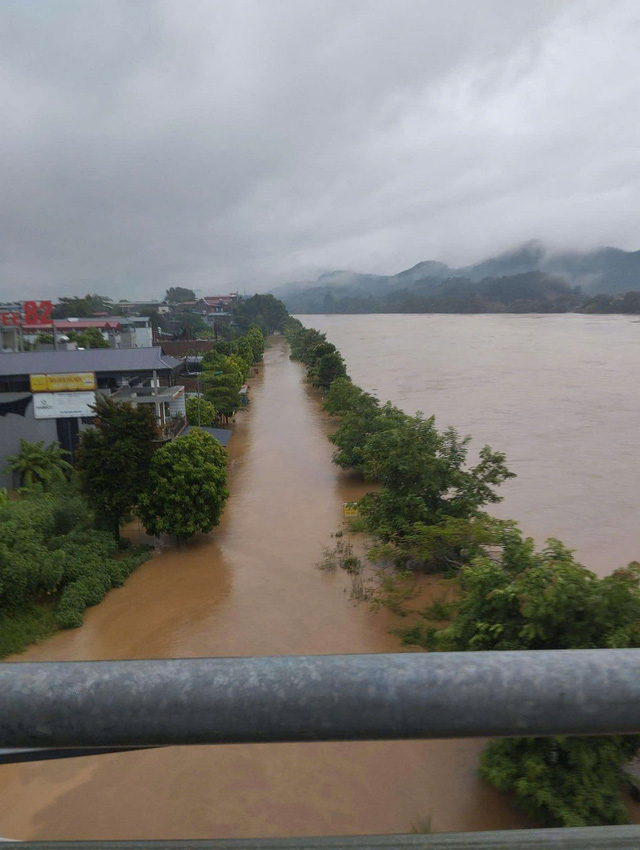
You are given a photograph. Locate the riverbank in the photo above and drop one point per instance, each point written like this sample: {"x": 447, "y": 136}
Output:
{"x": 552, "y": 392}
{"x": 428, "y": 517}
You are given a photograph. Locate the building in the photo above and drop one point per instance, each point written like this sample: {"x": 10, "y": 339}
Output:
{"x": 47, "y": 395}
{"x": 118, "y": 331}
{"x": 219, "y": 304}
{"x": 129, "y": 308}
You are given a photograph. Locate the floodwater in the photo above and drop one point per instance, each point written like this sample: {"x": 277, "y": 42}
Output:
{"x": 557, "y": 393}
{"x": 250, "y": 588}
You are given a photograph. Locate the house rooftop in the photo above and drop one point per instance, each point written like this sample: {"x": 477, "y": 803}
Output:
{"x": 89, "y": 360}
{"x": 222, "y": 435}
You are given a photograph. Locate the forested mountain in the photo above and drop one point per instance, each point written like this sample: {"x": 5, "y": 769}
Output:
{"x": 526, "y": 279}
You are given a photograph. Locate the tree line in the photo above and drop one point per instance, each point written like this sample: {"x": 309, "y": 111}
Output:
{"x": 428, "y": 514}
{"x": 528, "y": 292}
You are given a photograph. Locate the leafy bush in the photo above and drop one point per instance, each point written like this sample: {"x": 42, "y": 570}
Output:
{"x": 48, "y": 546}
{"x": 519, "y": 599}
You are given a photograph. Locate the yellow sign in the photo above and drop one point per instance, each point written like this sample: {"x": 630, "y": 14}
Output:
{"x": 350, "y": 509}
{"x": 69, "y": 382}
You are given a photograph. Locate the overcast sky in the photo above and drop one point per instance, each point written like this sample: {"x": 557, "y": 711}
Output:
{"x": 218, "y": 142}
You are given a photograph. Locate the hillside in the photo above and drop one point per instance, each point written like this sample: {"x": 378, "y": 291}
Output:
{"x": 527, "y": 278}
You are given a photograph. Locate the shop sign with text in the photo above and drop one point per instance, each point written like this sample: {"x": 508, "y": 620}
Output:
{"x": 33, "y": 313}
{"x": 63, "y": 405}
{"x": 63, "y": 382}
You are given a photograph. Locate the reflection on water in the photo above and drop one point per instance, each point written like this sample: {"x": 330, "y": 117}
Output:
{"x": 250, "y": 589}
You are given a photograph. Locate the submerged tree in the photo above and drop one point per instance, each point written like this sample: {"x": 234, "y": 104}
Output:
{"x": 425, "y": 478}
{"x": 223, "y": 381}
{"x": 522, "y": 599}
{"x": 187, "y": 486}
{"x": 200, "y": 411}
{"x": 113, "y": 458}
{"x": 255, "y": 338}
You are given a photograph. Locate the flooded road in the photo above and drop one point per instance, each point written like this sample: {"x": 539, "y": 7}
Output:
{"x": 249, "y": 589}
{"x": 557, "y": 393}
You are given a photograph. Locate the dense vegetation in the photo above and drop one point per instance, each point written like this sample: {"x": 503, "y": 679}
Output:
{"x": 54, "y": 563}
{"x": 427, "y": 514}
{"x": 522, "y": 599}
{"x": 226, "y": 368}
{"x": 323, "y": 360}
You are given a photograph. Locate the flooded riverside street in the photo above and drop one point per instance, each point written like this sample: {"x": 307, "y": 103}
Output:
{"x": 249, "y": 588}
{"x": 557, "y": 393}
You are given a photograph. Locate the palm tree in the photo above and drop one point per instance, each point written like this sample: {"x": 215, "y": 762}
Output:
{"x": 59, "y": 469}
{"x": 36, "y": 465}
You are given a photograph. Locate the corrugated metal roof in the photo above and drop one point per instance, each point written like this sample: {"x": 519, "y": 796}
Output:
{"x": 90, "y": 360}
{"x": 67, "y": 325}
{"x": 222, "y": 435}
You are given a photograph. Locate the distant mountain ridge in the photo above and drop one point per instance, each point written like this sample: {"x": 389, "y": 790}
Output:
{"x": 607, "y": 271}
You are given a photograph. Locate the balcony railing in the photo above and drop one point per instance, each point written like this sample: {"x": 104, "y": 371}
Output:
{"x": 63, "y": 709}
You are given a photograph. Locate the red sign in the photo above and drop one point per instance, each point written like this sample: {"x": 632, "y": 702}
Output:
{"x": 34, "y": 313}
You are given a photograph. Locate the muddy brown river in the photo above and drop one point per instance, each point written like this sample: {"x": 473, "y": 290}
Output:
{"x": 557, "y": 393}
{"x": 250, "y": 588}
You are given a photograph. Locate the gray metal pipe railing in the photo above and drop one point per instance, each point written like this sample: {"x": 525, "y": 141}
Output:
{"x": 119, "y": 704}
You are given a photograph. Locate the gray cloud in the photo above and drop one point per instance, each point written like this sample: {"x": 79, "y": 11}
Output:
{"x": 148, "y": 143}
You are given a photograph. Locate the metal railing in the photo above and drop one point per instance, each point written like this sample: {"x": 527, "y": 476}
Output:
{"x": 58, "y": 709}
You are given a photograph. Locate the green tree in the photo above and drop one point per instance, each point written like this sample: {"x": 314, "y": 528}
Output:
{"x": 89, "y": 338}
{"x": 82, "y": 307}
{"x": 187, "y": 486}
{"x": 255, "y": 338}
{"x": 364, "y": 418}
{"x": 178, "y": 294}
{"x": 290, "y": 328}
{"x": 244, "y": 350}
{"x": 304, "y": 343}
{"x": 200, "y": 412}
{"x": 345, "y": 397}
{"x": 220, "y": 347}
{"x": 522, "y": 599}
{"x": 240, "y": 364}
{"x": 425, "y": 478}
{"x": 113, "y": 458}
{"x": 222, "y": 384}
{"x": 193, "y": 323}
{"x": 329, "y": 367}
{"x": 35, "y": 464}
{"x": 265, "y": 311}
